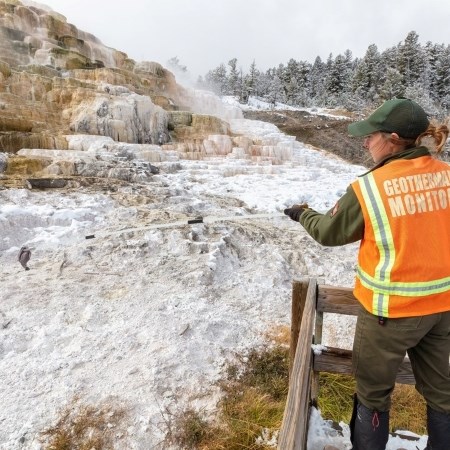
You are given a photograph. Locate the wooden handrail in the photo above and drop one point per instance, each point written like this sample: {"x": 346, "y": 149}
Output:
{"x": 299, "y": 292}
{"x": 338, "y": 300}
{"x": 309, "y": 302}
{"x": 338, "y": 360}
{"x": 294, "y": 429}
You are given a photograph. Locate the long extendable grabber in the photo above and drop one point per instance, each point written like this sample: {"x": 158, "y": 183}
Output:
{"x": 198, "y": 219}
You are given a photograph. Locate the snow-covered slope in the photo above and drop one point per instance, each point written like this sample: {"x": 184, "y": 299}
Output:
{"x": 147, "y": 317}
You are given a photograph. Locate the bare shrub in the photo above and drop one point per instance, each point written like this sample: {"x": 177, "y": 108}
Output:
{"x": 84, "y": 427}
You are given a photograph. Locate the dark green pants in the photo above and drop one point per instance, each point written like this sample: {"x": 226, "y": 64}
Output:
{"x": 378, "y": 351}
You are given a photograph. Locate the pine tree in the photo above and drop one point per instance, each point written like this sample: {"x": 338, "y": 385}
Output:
{"x": 251, "y": 80}
{"x": 442, "y": 81}
{"x": 290, "y": 76}
{"x": 433, "y": 54}
{"x": 233, "y": 79}
{"x": 303, "y": 82}
{"x": 411, "y": 60}
{"x": 389, "y": 58}
{"x": 276, "y": 91}
{"x": 216, "y": 80}
{"x": 393, "y": 84}
{"x": 367, "y": 75}
{"x": 317, "y": 81}
{"x": 339, "y": 76}
{"x": 263, "y": 83}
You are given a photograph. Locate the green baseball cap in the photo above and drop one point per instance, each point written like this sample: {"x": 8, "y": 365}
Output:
{"x": 399, "y": 115}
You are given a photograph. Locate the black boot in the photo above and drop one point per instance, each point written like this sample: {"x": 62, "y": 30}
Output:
{"x": 369, "y": 430}
{"x": 438, "y": 425}
{"x": 353, "y": 419}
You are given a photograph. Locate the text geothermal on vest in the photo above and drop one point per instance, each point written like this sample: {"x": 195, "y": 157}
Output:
{"x": 426, "y": 197}
{"x": 417, "y": 183}
{"x": 415, "y": 194}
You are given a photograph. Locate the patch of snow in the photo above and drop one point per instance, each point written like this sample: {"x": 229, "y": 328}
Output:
{"x": 318, "y": 348}
{"x": 257, "y": 104}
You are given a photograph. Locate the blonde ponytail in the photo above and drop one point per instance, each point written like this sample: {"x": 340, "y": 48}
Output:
{"x": 438, "y": 133}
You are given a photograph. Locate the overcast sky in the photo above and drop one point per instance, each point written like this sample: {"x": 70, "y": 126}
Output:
{"x": 205, "y": 33}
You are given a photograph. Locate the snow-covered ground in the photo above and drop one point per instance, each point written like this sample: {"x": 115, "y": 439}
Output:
{"x": 148, "y": 316}
{"x": 255, "y": 104}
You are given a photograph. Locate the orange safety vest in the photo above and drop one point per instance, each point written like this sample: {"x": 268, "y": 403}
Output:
{"x": 404, "y": 256}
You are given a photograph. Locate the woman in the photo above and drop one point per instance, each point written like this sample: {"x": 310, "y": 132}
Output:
{"x": 400, "y": 210}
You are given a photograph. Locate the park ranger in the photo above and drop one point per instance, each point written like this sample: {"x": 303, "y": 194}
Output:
{"x": 400, "y": 211}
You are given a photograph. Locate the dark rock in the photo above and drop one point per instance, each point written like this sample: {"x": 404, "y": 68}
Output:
{"x": 46, "y": 183}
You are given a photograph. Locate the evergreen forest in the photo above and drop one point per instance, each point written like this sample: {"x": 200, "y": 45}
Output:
{"x": 409, "y": 69}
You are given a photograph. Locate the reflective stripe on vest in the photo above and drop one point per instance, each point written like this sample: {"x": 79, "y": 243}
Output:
{"x": 380, "y": 284}
{"x": 384, "y": 242}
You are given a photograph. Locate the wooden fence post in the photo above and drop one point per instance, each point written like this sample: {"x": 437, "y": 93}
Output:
{"x": 299, "y": 290}
{"x": 294, "y": 429}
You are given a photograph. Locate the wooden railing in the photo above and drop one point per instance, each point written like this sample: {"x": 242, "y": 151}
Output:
{"x": 309, "y": 302}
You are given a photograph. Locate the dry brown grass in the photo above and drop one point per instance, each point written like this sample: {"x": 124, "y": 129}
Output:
{"x": 254, "y": 396}
{"x": 335, "y": 398}
{"x": 336, "y": 402}
{"x": 409, "y": 411}
{"x": 85, "y": 427}
{"x": 187, "y": 429}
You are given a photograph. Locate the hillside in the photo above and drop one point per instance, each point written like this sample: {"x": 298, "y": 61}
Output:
{"x": 327, "y": 132}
